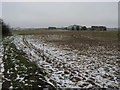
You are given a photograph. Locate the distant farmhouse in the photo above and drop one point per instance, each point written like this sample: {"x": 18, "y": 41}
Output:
{"x": 76, "y": 27}
{"x": 92, "y": 28}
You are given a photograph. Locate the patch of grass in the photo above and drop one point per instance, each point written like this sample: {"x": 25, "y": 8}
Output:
{"x": 34, "y": 32}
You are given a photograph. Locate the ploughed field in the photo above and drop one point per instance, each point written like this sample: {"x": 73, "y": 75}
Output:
{"x": 62, "y": 59}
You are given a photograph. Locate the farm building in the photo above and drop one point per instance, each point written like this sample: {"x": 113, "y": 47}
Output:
{"x": 74, "y": 27}
{"x": 84, "y": 28}
{"x": 98, "y": 28}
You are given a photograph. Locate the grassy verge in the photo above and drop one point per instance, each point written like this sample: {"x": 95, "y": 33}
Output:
{"x": 20, "y": 73}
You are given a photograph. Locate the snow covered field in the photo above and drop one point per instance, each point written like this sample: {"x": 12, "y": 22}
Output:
{"x": 66, "y": 67}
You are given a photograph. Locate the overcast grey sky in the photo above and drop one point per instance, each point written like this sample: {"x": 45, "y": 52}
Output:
{"x": 44, "y": 14}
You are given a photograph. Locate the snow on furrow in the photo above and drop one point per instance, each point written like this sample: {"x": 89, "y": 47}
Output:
{"x": 68, "y": 68}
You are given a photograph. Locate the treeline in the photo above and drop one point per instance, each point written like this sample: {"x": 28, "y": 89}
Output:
{"x": 78, "y": 27}
{"x": 92, "y": 28}
{"x": 4, "y": 29}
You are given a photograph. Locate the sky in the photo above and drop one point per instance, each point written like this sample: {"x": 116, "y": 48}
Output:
{"x": 60, "y": 14}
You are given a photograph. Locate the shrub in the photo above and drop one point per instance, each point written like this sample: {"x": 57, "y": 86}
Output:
{"x": 5, "y": 28}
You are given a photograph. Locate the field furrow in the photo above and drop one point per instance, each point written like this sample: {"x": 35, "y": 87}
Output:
{"x": 95, "y": 67}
